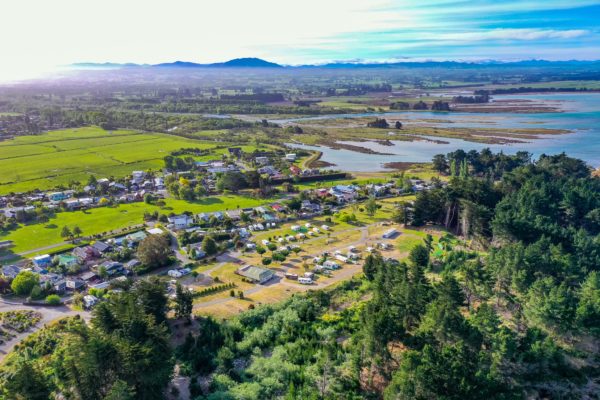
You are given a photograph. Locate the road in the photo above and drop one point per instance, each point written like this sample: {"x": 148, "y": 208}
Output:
{"x": 49, "y": 314}
{"x": 346, "y": 272}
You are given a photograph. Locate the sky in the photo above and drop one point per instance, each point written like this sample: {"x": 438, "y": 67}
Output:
{"x": 39, "y": 35}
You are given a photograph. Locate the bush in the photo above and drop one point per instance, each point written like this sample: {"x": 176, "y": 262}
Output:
{"x": 53, "y": 300}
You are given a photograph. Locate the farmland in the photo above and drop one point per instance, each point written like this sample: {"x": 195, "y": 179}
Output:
{"x": 56, "y": 158}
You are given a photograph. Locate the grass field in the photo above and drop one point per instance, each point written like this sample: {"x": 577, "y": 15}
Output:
{"x": 106, "y": 219}
{"x": 54, "y": 158}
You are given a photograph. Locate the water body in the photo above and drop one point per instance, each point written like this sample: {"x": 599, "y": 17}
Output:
{"x": 581, "y": 116}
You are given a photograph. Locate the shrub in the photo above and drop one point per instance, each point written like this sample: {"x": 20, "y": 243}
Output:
{"x": 53, "y": 300}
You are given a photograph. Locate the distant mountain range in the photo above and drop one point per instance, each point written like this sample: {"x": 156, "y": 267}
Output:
{"x": 251, "y": 62}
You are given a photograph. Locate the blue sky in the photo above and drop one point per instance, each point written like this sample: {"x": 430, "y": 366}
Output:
{"x": 41, "y": 34}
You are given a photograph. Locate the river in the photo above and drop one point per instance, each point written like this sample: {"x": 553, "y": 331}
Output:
{"x": 581, "y": 116}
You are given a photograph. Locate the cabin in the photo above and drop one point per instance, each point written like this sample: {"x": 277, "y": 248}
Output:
{"x": 256, "y": 274}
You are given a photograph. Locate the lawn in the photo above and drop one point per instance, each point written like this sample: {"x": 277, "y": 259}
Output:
{"x": 106, "y": 219}
{"x": 56, "y": 158}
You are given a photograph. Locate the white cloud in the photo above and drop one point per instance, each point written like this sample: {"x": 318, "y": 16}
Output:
{"x": 515, "y": 34}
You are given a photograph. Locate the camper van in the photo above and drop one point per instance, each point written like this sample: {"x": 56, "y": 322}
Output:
{"x": 305, "y": 281}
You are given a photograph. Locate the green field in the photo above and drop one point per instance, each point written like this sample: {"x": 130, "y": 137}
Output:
{"x": 106, "y": 219}
{"x": 59, "y": 157}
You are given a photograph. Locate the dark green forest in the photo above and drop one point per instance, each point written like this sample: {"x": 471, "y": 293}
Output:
{"x": 511, "y": 311}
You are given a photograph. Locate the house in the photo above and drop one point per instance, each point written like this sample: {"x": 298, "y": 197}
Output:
{"x": 39, "y": 270}
{"x": 86, "y": 201}
{"x": 290, "y": 157}
{"x": 159, "y": 183}
{"x": 295, "y": 170}
{"x": 203, "y": 217}
{"x": 57, "y": 196}
{"x": 310, "y": 207}
{"x": 256, "y": 274}
{"x": 117, "y": 187}
{"x": 100, "y": 286}
{"x": 75, "y": 284}
{"x": 72, "y": 204}
{"x": 60, "y": 286}
{"x": 49, "y": 278}
{"x": 138, "y": 176}
{"x": 67, "y": 260}
{"x": 10, "y": 271}
{"x": 261, "y": 160}
{"x": 322, "y": 192}
{"x": 85, "y": 254}
{"x": 42, "y": 261}
{"x": 173, "y": 273}
{"x": 268, "y": 170}
{"x": 131, "y": 264}
{"x": 343, "y": 193}
{"x": 136, "y": 237}
{"x": 197, "y": 253}
{"x": 277, "y": 207}
{"x": 391, "y": 233}
{"x": 234, "y": 214}
{"x": 112, "y": 267}
{"x": 180, "y": 221}
{"x": 101, "y": 247}
{"x": 89, "y": 301}
{"x": 88, "y": 276}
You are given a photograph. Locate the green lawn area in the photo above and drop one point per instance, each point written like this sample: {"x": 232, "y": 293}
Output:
{"x": 106, "y": 219}
{"x": 59, "y": 157}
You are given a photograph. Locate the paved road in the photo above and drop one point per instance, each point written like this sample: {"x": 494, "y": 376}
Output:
{"x": 49, "y": 314}
{"x": 347, "y": 271}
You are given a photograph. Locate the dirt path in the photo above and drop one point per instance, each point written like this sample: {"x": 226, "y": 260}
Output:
{"x": 49, "y": 314}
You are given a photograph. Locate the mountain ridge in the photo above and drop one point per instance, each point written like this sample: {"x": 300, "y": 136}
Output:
{"x": 253, "y": 62}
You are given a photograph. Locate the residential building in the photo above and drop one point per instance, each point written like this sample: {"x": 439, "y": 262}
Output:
{"x": 75, "y": 284}
{"x": 67, "y": 260}
{"x": 102, "y": 247}
{"x": 10, "y": 271}
{"x": 86, "y": 253}
{"x": 256, "y": 274}
{"x": 42, "y": 261}
{"x": 180, "y": 221}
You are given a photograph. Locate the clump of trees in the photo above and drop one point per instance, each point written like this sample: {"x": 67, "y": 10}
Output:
{"x": 123, "y": 353}
{"x": 378, "y": 123}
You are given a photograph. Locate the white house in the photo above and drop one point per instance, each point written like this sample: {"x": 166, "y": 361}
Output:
{"x": 180, "y": 221}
